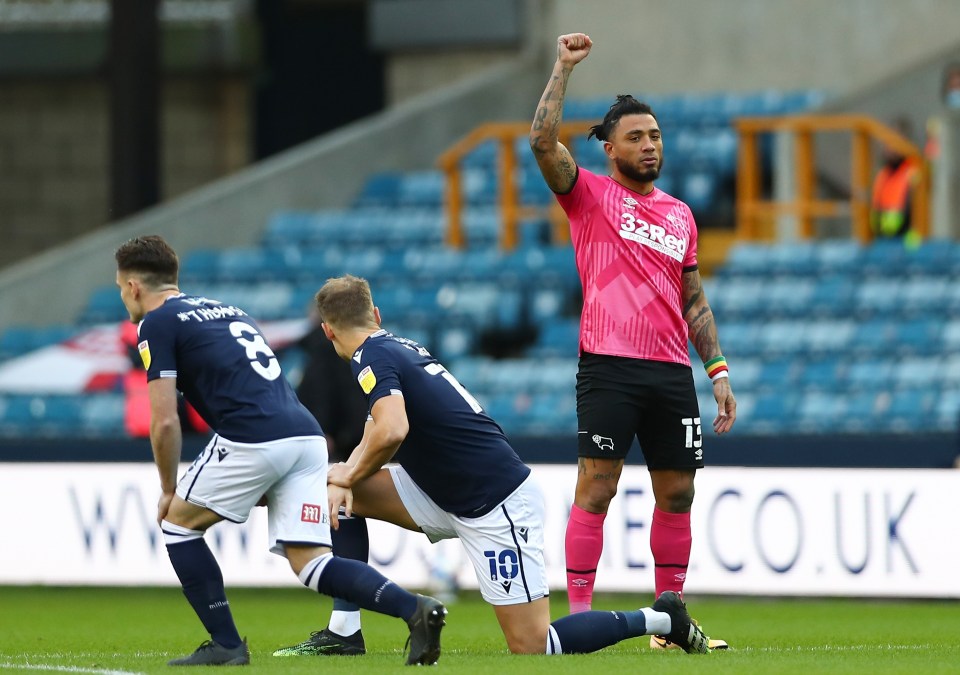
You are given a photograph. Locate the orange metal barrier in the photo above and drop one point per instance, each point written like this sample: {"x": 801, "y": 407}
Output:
{"x": 755, "y": 215}
{"x": 511, "y": 212}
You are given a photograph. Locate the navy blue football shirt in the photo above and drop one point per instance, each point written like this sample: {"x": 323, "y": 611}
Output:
{"x": 453, "y": 451}
{"x": 225, "y": 369}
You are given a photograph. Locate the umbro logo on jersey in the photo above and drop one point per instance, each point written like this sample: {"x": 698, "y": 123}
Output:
{"x": 356, "y": 357}
{"x": 630, "y": 202}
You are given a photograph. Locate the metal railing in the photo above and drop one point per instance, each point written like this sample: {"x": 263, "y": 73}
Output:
{"x": 755, "y": 214}
{"x": 511, "y": 211}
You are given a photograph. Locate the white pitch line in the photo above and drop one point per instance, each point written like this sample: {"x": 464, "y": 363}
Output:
{"x": 837, "y": 648}
{"x": 65, "y": 669}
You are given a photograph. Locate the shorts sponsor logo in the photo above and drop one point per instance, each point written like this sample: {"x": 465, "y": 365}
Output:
{"x": 603, "y": 442}
{"x": 311, "y": 513}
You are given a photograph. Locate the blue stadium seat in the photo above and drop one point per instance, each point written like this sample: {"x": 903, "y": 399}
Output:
{"x": 243, "y": 265}
{"x": 833, "y": 296}
{"x": 19, "y": 340}
{"x": 747, "y": 259}
{"x": 923, "y": 295}
{"x": 42, "y": 415}
{"x": 871, "y": 374}
{"x": 560, "y": 337}
{"x": 532, "y": 188}
{"x": 783, "y": 338}
{"x": 951, "y": 336}
{"x": 862, "y": 411}
{"x": 104, "y": 306}
{"x": 909, "y": 410}
{"x": 382, "y": 189}
{"x": 479, "y": 187}
{"x": 453, "y": 340}
{"x": 588, "y": 153}
{"x": 915, "y": 372}
{"x": 821, "y": 412}
{"x": 934, "y": 257}
{"x": 747, "y": 372}
{"x": 102, "y": 415}
{"x": 878, "y": 297}
{"x": 200, "y": 267}
{"x": 264, "y": 301}
{"x": 791, "y": 258}
{"x": 838, "y": 256}
{"x": 884, "y": 257}
{"x": 485, "y": 305}
{"x": 918, "y": 336}
{"x": 481, "y": 225}
{"x": 739, "y": 337}
{"x": 776, "y": 375}
{"x": 788, "y": 297}
{"x": 699, "y": 190}
{"x": 875, "y": 336}
{"x": 830, "y": 336}
{"x": 484, "y": 156}
{"x": 946, "y": 412}
{"x": 773, "y": 412}
{"x": 823, "y": 374}
{"x": 736, "y": 299}
{"x": 552, "y": 413}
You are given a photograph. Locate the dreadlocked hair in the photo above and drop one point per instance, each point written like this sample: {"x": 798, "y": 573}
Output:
{"x": 625, "y": 105}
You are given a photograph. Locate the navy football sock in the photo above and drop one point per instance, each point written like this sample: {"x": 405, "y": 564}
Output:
{"x": 351, "y": 541}
{"x": 586, "y": 632}
{"x": 359, "y": 583}
{"x": 202, "y": 584}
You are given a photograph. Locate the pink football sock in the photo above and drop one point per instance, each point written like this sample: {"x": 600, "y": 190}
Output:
{"x": 670, "y": 543}
{"x": 583, "y": 544}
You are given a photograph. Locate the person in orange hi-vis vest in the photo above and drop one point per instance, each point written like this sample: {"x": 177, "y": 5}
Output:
{"x": 891, "y": 202}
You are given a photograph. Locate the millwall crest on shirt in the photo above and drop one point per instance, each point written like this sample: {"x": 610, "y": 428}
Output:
{"x": 367, "y": 380}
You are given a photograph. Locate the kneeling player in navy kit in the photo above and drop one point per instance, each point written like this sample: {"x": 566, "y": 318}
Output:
{"x": 456, "y": 476}
{"x": 265, "y": 445}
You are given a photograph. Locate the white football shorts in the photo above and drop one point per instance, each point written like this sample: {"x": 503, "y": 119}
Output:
{"x": 230, "y": 478}
{"x": 505, "y": 546}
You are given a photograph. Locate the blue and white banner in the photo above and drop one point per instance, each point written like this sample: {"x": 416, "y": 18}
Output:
{"x": 821, "y": 532}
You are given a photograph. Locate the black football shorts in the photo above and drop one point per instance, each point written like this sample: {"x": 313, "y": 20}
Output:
{"x": 621, "y": 398}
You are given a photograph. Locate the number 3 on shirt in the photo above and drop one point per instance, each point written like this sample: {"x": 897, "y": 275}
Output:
{"x": 437, "y": 369}
{"x": 255, "y": 346}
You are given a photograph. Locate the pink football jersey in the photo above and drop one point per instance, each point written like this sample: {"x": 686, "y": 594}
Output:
{"x": 631, "y": 252}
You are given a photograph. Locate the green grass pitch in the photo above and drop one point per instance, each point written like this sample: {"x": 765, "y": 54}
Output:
{"x": 130, "y": 630}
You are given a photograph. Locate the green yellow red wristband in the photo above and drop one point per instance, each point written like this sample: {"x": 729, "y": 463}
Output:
{"x": 716, "y": 368}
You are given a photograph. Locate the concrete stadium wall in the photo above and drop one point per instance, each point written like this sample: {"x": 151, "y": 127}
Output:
{"x": 664, "y": 46}
{"x": 648, "y": 45}
{"x": 52, "y": 287}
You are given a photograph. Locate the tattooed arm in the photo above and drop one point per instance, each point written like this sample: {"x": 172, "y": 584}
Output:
{"x": 702, "y": 331}
{"x": 556, "y": 164}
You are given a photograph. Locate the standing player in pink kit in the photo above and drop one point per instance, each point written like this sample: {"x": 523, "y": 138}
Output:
{"x": 636, "y": 252}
